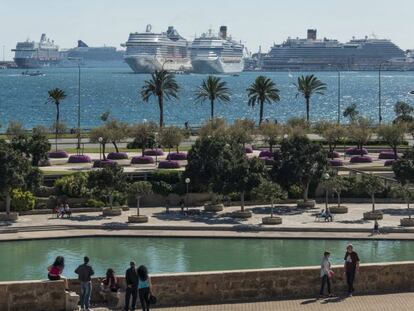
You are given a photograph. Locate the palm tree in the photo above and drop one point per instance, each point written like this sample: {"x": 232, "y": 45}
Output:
{"x": 263, "y": 90}
{"x": 162, "y": 84}
{"x": 307, "y": 86}
{"x": 213, "y": 89}
{"x": 55, "y": 97}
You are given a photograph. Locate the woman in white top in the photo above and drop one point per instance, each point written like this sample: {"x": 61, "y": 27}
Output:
{"x": 326, "y": 273}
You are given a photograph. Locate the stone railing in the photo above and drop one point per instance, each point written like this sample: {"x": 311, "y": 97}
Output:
{"x": 221, "y": 287}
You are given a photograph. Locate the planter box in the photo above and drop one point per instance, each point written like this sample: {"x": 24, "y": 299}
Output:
{"x": 306, "y": 205}
{"x": 117, "y": 156}
{"x": 142, "y": 160}
{"x": 338, "y": 210}
{"x": 214, "y": 208}
{"x": 361, "y": 159}
{"x": 336, "y": 162}
{"x": 169, "y": 164}
{"x": 153, "y": 152}
{"x": 181, "y": 156}
{"x": 356, "y": 151}
{"x": 8, "y": 217}
{"x": 241, "y": 214}
{"x": 137, "y": 219}
{"x": 108, "y": 212}
{"x": 407, "y": 222}
{"x": 59, "y": 154}
{"x": 272, "y": 220}
{"x": 373, "y": 215}
{"x": 81, "y": 158}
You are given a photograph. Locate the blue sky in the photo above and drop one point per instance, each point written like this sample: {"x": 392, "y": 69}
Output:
{"x": 259, "y": 22}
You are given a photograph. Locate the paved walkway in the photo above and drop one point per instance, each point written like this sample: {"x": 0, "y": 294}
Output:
{"x": 397, "y": 302}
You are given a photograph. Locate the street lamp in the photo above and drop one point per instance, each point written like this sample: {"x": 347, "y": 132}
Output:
{"x": 379, "y": 91}
{"x": 339, "y": 91}
{"x": 187, "y": 182}
{"x": 326, "y": 177}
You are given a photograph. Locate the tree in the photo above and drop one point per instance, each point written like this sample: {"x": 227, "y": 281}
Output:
{"x": 406, "y": 193}
{"x": 100, "y": 135}
{"x": 171, "y": 137}
{"x": 308, "y": 86}
{"x": 351, "y": 112}
{"x": 404, "y": 168}
{"x": 139, "y": 189}
{"x": 299, "y": 162}
{"x": 262, "y": 90}
{"x": 212, "y": 89}
{"x": 213, "y": 128}
{"x": 241, "y": 131}
{"x": 360, "y": 131}
{"x": 393, "y": 135}
{"x": 335, "y": 184}
{"x": 35, "y": 146}
{"x": 271, "y": 133}
{"x": 372, "y": 185}
{"x": 333, "y": 133}
{"x": 296, "y": 127}
{"x": 117, "y": 131}
{"x": 56, "y": 96}
{"x": 403, "y": 112}
{"x": 109, "y": 178}
{"x": 15, "y": 128}
{"x": 269, "y": 191}
{"x": 144, "y": 135}
{"x": 240, "y": 174}
{"x": 163, "y": 86}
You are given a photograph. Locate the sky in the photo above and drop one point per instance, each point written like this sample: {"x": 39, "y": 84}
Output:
{"x": 254, "y": 22}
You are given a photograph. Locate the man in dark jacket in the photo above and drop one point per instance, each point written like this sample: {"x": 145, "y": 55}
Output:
{"x": 131, "y": 279}
{"x": 84, "y": 272}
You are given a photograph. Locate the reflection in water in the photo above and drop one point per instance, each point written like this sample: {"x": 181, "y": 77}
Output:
{"x": 29, "y": 259}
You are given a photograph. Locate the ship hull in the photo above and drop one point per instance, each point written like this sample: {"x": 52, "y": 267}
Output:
{"x": 216, "y": 66}
{"x": 29, "y": 63}
{"x": 148, "y": 64}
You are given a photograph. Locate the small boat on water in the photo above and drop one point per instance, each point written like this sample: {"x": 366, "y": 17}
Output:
{"x": 411, "y": 92}
{"x": 32, "y": 74}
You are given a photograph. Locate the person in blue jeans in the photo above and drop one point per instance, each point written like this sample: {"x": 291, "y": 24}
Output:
{"x": 85, "y": 272}
{"x": 144, "y": 287}
{"x": 351, "y": 267}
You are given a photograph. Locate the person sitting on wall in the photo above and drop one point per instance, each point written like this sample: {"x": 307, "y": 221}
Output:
{"x": 55, "y": 270}
{"x": 110, "y": 283}
{"x": 68, "y": 212}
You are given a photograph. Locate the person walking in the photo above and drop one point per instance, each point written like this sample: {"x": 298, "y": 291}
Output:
{"x": 131, "y": 279}
{"x": 326, "y": 273}
{"x": 144, "y": 287}
{"x": 84, "y": 272}
{"x": 351, "y": 267}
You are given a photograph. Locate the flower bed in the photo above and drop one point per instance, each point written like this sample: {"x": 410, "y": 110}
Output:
{"x": 142, "y": 160}
{"x": 336, "y": 162}
{"x": 248, "y": 149}
{"x": 389, "y": 162}
{"x": 356, "y": 151}
{"x": 361, "y": 159}
{"x": 154, "y": 152}
{"x": 177, "y": 156}
{"x": 117, "y": 156}
{"x": 60, "y": 154}
{"x": 334, "y": 155}
{"x": 386, "y": 155}
{"x": 169, "y": 164}
{"x": 79, "y": 159}
{"x": 265, "y": 154}
{"x": 267, "y": 160}
{"x": 104, "y": 163}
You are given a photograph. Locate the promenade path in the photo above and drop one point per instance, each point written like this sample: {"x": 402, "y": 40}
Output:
{"x": 395, "y": 302}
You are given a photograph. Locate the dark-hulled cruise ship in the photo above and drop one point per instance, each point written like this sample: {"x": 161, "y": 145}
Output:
{"x": 313, "y": 54}
{"x": 31, "y": 54}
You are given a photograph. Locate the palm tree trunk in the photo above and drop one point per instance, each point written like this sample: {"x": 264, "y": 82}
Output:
{"x": 307, "y": 108}
{"x": 261, "y": 112}
{"x": 57, "y": 125}
{"x": 212, "y": 109}
{"x": 161, "y": 105}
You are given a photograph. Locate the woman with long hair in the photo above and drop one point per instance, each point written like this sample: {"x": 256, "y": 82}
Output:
{"x": 144, "y": 287}
{"x": 55, "y": 270}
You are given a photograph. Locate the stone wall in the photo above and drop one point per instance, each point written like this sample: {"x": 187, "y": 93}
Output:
{"x": 32, "y": 296}
{"x": 266, "y": 284}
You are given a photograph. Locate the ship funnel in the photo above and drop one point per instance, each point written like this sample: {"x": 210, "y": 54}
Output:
{"x": 223, "y": 32}
{"x": 312, "y": 34}
{"x": 148, "y": 29}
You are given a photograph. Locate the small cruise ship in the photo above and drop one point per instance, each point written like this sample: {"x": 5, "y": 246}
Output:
{"x": 149, "y": 51}
{"x": 216, "y": 54}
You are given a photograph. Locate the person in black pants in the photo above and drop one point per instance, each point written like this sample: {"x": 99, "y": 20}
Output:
{"x": 131, "y": 279}
{"x": 144, "y": 287}
{"x": 351, "y": 267}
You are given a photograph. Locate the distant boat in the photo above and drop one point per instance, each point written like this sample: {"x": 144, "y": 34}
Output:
{"x": 32, "y": 74}
{"x": 411, "y": 92}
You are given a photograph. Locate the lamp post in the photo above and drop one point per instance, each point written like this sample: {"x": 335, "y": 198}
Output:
{"x": 187, "y": 182}
{"x": 326, "y": 177}
{"x": 339, "y": 91}
{"x": 380, "y": 93}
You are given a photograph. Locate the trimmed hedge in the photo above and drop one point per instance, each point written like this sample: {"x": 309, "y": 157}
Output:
{"x": 104, "y": 163}
{"x": 387, "y": 155}
{"x": 334, "y": 155}
{"x": 356, "y": 151}
{"x": 169, "y": 164}
{"x": 248, "y": 149}
{"x": 361, "y": 159}
{"x": 81, "y": 158}
{"x": 142, "y": 160}
{"x": 266, "y": 154}
{"x": 154, "y": 152}
{"x": 336, "y": 162}
{"x": 60, "y": 154}
{"x": 177, "y": 156}
{"x": 117, "y": 156}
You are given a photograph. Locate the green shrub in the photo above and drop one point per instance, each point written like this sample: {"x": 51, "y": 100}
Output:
{"x": 45, "y": 192}
{"x": 118, "y": 198}
{"x": 22, "y": 200}
{"x": 170, "y": 177}
{"x": 74, "y": 186}
{"x": 295, "y": 192}
{"x": 161, "y": 187}
{"x": 94, "y": 203}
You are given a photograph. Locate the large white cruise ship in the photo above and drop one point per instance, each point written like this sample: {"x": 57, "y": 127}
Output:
{"x": 148, "y": 51}
{"x": 211, "y": 54}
